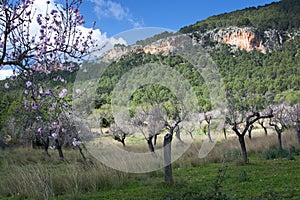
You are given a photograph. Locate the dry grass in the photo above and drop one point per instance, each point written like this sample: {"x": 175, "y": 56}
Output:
{"x": 27, "y": 173}
{"x": 229, "y": 150}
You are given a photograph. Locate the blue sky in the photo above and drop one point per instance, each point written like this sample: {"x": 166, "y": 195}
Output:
{"x": 115, "y": 16}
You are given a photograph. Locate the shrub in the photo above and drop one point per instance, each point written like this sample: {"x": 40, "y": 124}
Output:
{"x": 277, "y": 153}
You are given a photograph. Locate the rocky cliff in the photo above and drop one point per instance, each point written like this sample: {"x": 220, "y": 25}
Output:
{"x": 164, "y": 46}
{"x": 243, "y": 38}
{"x": 246, "y": 38}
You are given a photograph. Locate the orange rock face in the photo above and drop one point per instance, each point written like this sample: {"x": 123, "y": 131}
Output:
{"x": 245, "y": 39}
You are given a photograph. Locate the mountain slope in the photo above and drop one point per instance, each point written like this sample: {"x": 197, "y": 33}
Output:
{"x": 282, "y": 16}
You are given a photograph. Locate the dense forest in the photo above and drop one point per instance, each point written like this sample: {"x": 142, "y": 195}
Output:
{"x": 283, "y": 16}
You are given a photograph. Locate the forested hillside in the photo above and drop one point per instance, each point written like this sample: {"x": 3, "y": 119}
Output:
{"x": 283, "y": 15}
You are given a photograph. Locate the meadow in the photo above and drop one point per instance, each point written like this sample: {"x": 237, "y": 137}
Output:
{"x": 27, "y": 173}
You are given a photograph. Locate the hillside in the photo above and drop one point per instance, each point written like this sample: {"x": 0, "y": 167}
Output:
{"x": 282, "y": 16}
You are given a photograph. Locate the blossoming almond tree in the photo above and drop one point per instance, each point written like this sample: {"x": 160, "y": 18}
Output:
{"x": 36, "y": 44}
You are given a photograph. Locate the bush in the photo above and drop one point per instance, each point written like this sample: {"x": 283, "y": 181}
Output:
{"x": 279, "y": 153}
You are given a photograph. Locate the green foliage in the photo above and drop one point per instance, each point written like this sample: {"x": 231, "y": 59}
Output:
{"x": 148, "y": 94}
{"x": 280, "y": 153}
{"x": 154, "y": 38}
{"x": 259, "y": 79}
{"x": 283, "y": 15}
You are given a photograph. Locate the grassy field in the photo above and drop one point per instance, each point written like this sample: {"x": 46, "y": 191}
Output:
{"x": 28, "y": 173}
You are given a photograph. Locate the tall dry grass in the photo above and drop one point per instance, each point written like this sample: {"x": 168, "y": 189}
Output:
{"x": 27, "y": 173}
{"x": 229, "y": 150}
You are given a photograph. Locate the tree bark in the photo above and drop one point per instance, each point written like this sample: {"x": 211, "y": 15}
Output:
{"x": 81, "y": 153}
{"x": 279, "y": 140}
{"x": 155, "y": 139}
{"x": 123, "y": 141}
{"x": 263, "y": 126}
{"x": 243, "y": 148}
{"x": 208, "y": 132}
{"x": 177, "y": 134}
{"x": 250, "y": 132}
{"x": 225, "y": 134}
{"x": 265, "y": 129}
{"x": 167, "y": 158}
{"x": 298, "y": 132}
{"x": 150, "y": 144}
{"x": 59, "y": 149}
{"x": 46, "y": 146}
{"x": 279, "y": 135}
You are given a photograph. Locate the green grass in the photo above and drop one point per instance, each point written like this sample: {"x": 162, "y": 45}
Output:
{"x": 271, "y": 179}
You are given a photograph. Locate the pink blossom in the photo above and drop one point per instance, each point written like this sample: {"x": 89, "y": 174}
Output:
{"x": 78, "y": 91}
{"x": 39, "y": 130}
{"x": 54, "y": 135}
{"x": 63, "y": 93}
{"x": 47, "y": 92}
{"x": 28, "y": 83}
{"x": 76, "y": 142}
{"x": 34, "y": 105}
{"x": 41, "y": 91}
{"x": 26, "y": 104}
{"x": 53, "y": 106}
{"x": 6, "y": 85}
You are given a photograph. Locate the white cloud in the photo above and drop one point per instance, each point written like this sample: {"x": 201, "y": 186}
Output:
{"x": 5, "y": 73}
{"x": 108, "y": 8}
{"x": 41, "y": 7}
{"x": 104, "y": 43}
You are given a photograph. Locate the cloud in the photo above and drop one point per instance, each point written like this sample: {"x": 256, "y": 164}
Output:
{"x": 104, "y": 43}
{"x": 5, "y": 73}
{"x": 110, "y": 9}
{"x": 41, "y": 7}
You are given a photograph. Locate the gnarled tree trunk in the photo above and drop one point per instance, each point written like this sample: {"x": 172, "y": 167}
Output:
{"x": 167, "y": 158}
{"x": 59, "y": 149}
{"x": 243, "y": 148}
{"x": 298, "y": 132}
{"x": 150, "y": 144}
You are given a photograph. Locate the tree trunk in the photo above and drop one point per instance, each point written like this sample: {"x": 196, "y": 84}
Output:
{"x": 46, "y": 146}
{"x": 298, "y": 132}
{"x": 279, "y": 140}
{"x": 263, "y": 126}
{"x": 250, "y": 132}
{"x": 155, "y": 139}
{"x": 208, "y": 132}
{"x": 81, "y": 153}
{"x": 59, "y": 149}
{"x": 265, "y": 130}
{"x": 243, "y": 148}
{"x": 167, "y": 158}
{"x": 177, "y": 134}
{"x": 279, "y": 131}
{"x": 225, "y": 134}
{"x": 150, "y": 144}
{"x": 123, "y": 141}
